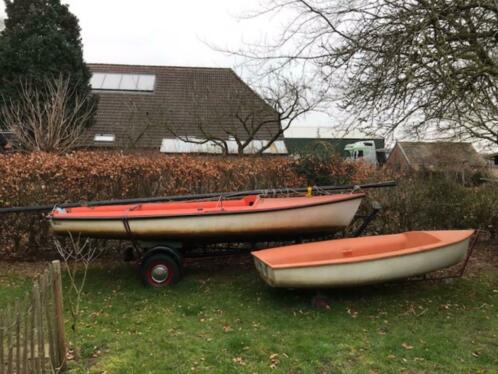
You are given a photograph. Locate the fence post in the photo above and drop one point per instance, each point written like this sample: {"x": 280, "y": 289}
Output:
{"x": 9, "y": 340}
{"x": 38, "y": 328}
{"x": 25, "y": 364}
{"x": 2, "y": 361}
{"x": 18, "y": 337}
{"x": 46, "y": 309}
{"x": 59, "y": 313}
{"x": 32, "y": 336}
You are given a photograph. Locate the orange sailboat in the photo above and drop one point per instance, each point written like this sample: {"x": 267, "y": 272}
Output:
{"x": 251, "y": 217}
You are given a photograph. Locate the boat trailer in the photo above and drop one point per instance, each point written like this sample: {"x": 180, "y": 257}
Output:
{"x": 161, "y": 262}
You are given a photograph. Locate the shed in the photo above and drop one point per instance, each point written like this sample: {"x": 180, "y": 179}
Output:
{"x": 436, "y": 156}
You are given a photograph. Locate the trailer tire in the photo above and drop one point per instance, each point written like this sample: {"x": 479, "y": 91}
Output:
{"x": 164, "y": 249}
{"x": 160, "y": 270}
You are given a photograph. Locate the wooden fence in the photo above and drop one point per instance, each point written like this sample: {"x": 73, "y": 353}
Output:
{"x": 32, "y": 329}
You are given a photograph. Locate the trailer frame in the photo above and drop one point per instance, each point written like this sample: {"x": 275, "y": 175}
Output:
{"x": 167, "y": 257}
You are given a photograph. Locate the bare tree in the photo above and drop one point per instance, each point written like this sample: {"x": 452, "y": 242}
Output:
{"x": 77, "y": 255}
{"x": 243, "y": 117}
{"x": 50, "y": 119}
{"x": 415, "y": 65}
{"x": 137, "y": 123}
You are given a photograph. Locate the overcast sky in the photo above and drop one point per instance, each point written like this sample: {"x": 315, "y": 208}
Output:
{"x": 158, "y": 32}
{"x": 162, "y": 32}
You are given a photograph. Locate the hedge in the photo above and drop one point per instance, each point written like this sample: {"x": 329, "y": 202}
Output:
{"x": 421, "y": 201}
{"x": 41, "y": 178}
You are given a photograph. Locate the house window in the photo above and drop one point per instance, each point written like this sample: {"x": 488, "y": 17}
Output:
{"x": 104, "y": 138}
{"x": 123, "y": 82}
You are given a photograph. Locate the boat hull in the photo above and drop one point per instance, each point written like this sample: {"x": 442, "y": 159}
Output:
{"x": 301, "y": 220}
{"x": 350, "y": 274}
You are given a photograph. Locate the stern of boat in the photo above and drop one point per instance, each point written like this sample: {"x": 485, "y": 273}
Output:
{"x": 265, "y": 271}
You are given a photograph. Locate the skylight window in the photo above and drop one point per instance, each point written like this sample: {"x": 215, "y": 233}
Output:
{"x": 106, "y": 138}
{"x": 123, "y": 82}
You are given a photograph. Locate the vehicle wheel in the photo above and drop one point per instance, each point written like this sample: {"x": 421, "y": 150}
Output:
{"x": 160, "y": 270}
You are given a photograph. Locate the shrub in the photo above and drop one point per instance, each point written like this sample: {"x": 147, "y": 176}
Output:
{"x": 436, "y": 202}
{"x": 321, "y": 165}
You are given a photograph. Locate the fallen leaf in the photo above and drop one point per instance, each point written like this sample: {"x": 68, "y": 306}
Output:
{"x": 274, "y": 360}
{"x": 353, "y": 313}
{"x": 407, "y": 346}
{"x": 238, "y": 360}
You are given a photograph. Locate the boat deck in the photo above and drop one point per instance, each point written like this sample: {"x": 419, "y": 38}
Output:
{"x": 358, "y": 249}
{"x": 248, "y": 204}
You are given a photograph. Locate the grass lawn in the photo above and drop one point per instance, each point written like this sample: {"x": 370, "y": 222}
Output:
{"x": 222, "y": 318}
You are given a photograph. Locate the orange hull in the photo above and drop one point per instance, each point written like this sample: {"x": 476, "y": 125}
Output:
{"x": 356, "y": 261}
{"x": 250, "y": 217}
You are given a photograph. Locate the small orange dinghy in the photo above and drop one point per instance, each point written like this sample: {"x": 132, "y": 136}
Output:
{"x": 359, "y": 261}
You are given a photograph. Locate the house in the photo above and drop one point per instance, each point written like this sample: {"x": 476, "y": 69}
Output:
{"x": 435, "y": 156}
{"x": 179, "y": 110}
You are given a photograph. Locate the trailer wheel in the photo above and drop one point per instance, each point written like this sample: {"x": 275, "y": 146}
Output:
{"x": 160, "y": 270}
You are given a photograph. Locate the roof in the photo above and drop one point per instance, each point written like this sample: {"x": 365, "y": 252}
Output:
{"x": 439, "y": 155}
{"x": 326, "y": 132}
{"x": 187, "y": 101}
{"x": 300, "y": 145}
{"x": 489, "y": 156}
